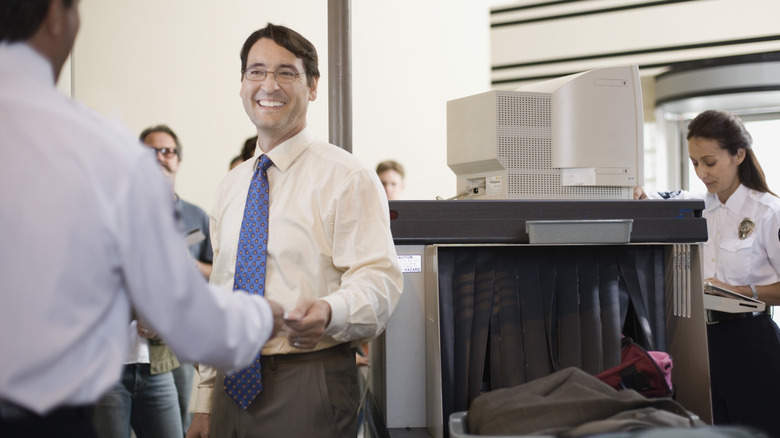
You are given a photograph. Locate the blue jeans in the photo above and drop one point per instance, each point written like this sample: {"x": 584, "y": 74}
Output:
{"x": 147, "y": 403}
{"x": 183, "y": 376}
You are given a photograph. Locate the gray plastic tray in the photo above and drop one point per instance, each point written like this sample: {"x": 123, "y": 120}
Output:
{"x": 596, "y": 231}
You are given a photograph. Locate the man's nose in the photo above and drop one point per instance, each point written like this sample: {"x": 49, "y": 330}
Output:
{"x": 270, "y": 83}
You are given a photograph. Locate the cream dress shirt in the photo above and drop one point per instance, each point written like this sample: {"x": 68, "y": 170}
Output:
{"x": 329, "y": 238}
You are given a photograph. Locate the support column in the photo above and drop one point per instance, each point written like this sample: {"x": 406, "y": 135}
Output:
{"x": 340, "y": 74}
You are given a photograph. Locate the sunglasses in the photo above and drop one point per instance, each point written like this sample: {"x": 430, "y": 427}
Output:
{"x": 166, "y": 152}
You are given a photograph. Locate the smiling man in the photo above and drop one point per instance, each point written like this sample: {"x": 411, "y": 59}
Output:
{"x": 305, "y": 224}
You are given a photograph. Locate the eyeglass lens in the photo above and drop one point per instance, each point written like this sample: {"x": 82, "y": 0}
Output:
{"x": 166, "y": 152}
{"x": 281, "y": 76}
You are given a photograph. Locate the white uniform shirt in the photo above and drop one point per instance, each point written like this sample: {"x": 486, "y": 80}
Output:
{"x": 329, "y": 238}
{"x": 88, "y": 229}
{"x": 754, "y": 259}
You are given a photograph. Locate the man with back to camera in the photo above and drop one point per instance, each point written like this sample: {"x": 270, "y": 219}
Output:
{"x": 90, "y": 230}
{"x": 331, "y": 261}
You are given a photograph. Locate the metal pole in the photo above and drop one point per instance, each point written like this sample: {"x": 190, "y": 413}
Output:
{"x": 340, "y": 74}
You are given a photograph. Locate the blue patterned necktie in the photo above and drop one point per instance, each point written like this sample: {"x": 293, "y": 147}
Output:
{"x": 244, "y": 385}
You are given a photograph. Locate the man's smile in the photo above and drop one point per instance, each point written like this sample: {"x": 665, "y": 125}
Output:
{"x": 270, "y": 103}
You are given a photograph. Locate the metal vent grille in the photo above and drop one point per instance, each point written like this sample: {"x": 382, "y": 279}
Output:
{"x": 524, "y": 109}
{"x": 525, "y": 150}
{"x": 520, "y": 151}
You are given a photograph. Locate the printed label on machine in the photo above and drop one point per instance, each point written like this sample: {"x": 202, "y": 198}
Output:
{"x": 410, "y": 263}
{"x": 493, "y": 185}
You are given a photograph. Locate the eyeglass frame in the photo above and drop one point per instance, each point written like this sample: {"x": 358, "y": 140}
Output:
{"x": 296, "y": 75}
{"x": 166, "y": 152}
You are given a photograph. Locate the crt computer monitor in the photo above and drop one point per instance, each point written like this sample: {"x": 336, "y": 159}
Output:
{"x": 574, "y": 137}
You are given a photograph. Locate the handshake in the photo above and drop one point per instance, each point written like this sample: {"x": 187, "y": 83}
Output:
{"x": 305, "y": 324}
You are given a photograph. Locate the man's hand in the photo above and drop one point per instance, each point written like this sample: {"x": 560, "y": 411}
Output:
{"x": 307, "y": 322}
{"x": 144, "y": 332}
{"x": 278, "y": 312}
{"x": 199, "y": 426}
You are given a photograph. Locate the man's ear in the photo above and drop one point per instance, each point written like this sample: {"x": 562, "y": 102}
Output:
{"x": 54, "y": 22}
{"x": 313, "y": 90}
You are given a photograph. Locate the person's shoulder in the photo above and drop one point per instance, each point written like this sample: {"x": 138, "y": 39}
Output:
{"x": 766, "y": 199}
{"x": 74, "y": 123}
{"x": 192, "y": 208}
{"x": 92, "y": 129}
{"x": 336, "y": 156}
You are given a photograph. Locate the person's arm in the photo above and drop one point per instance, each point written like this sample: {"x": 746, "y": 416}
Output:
{"x": 768, "y": 293}
{"x": 769, "y": 237}
{"x": 200, "y": 323}
{"x": 639, "y": 193}
{"x": 199, "y": 426}
{"x": 204, "y": 268}
{"x": 363, "y": 248}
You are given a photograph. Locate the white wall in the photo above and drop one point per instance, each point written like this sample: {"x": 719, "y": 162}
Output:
{"x": 176, "y": 62}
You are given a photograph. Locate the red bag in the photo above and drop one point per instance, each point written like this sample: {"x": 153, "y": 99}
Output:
{"x": 650, "y": 375}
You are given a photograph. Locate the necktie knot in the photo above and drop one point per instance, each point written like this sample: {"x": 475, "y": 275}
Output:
{"x": 264, "y": 163}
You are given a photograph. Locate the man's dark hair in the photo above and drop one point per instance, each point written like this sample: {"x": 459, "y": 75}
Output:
{"x": 165, "y": 129}
{"x": 290, "y": 40}
{"x": 20, "y": 19}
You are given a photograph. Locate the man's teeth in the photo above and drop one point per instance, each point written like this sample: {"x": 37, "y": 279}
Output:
{"x": 270, "y": 103}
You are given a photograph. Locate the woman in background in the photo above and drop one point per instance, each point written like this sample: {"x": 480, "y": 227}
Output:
{"x": 742, "y": 253}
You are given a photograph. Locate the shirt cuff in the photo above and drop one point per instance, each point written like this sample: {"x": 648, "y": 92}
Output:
{"x": 338, "y": 317}
{"x": 205, "y": 389}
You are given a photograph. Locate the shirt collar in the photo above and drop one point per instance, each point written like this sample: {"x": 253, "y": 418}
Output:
{"x": 288, "y": 151}
{"x": 733, "y": 204}
{"x": 21, "y": 58}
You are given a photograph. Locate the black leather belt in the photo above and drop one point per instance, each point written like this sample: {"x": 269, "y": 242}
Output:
{"x": 12, "y": 412}
{"x": 715, "y": 316}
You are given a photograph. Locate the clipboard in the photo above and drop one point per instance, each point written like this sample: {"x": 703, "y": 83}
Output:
{"x": 724, "y": 300}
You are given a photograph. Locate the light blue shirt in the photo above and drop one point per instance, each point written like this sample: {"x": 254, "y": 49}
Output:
{"x": 88, "y": 229}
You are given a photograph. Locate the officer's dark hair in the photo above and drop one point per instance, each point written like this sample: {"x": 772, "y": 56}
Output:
{"x": 727, "y": 129}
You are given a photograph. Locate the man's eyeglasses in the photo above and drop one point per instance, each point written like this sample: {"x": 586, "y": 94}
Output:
{"x": 282, "y": 76}
{"x": 166, "y": 152}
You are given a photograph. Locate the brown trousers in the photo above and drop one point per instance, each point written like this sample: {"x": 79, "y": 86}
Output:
{"x": 304, "y": 395}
